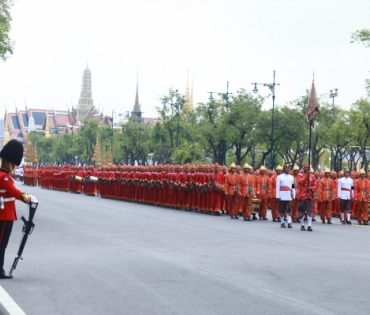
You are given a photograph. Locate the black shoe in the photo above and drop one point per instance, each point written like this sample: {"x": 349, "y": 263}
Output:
{"x": 329, "y": 222}
{"x": 349, "y": 222}
{"x": 366, "y": 223}
{"x": 359, "y": 223}
{"x": 323, "y": 222}
{"x": 309, "y": 229}
{"x": 274, "y": 220}
{"x": 3, "y": 275}
{"x": 231, "y": 217}
{"x": 249, "y": 219}
{"x": 260, "y": 218}
{"x": 236, "y": 217}
{"x": 264, "y": 218}
{"x": 282, "y": 225}
{"x": 254, "y": 217}
{"x": 303, "y": 228}
{"x": 289, "y": 225}
{"x": 313, "y": 220}
{"x": 343, "y": 221}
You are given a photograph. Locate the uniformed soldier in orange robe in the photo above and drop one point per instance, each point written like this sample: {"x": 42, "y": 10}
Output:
{"x": 246, "y": 185}
{"x": 216, "y": 194}
{"x": 272, "y": 193}
{"x": 325, "y": 192}
{"x": 231, "y": 189}
{"x": 295, "y": 217}
{"x": 263, "y": 192}
{"x": 362, "y": 195}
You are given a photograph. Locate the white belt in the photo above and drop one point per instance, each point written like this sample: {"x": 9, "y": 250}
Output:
{"x": 3, "y": 190}
{"x": 9, "y": 199}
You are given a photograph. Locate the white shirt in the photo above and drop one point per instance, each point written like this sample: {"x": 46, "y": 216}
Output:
{"x": 347, "y": 184}
{"x": 286, "y": 181}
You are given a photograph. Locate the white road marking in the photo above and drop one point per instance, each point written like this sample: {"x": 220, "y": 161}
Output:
{"x": 8, "y": 303}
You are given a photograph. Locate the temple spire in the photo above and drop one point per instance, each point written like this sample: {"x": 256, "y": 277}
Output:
{"x": 188, "y": 102}
{"x": 85, "y": 103}
{"x": 191, "y": 95}
{"x": 136, "y": 112}
{"x": 47, "y": 124}
{"x": 6, "y": 129}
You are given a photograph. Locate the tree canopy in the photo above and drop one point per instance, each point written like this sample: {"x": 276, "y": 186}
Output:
{"x": 6, "y": 44}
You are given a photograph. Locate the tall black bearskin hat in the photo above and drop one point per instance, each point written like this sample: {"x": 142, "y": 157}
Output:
{"x": 12, "y": 152}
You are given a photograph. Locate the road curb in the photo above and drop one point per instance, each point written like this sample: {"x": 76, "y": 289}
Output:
{"x": 7, "y": 304}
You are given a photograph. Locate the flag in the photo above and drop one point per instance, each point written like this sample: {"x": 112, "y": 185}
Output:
{"x": 313, "y": 105}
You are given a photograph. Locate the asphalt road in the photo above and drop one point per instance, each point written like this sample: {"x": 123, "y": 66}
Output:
{"x": 89, "y": 255}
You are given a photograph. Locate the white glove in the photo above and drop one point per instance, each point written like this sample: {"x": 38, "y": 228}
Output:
{"x": 33, "y": 199}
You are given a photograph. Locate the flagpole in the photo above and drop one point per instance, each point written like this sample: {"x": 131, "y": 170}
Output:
{"x": 309, "y": 156}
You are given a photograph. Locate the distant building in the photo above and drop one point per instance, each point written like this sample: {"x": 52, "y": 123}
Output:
{"x": 16, "y": 125}
{"x": 2, "y": 126}
{"x": 53, "y": 122}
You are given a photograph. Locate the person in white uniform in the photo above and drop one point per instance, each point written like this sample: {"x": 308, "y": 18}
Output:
{"x": 285, "y": 193}
{"x": 345, "y": 196}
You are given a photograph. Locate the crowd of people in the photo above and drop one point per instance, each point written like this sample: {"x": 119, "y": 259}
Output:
{"x": 214, "y": 189}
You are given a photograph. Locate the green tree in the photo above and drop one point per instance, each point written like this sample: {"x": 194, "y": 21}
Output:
{"x": 361, "y": 37}
{"x": 241, "y": 119}
{"x": 359, "y": 120}
{"x": 212, "y": 121}
{"x": 85, "y": 139}
{"x": 171, "y": 127}
{"x": 6, "y": 45}
{"x": 292, "y": 144}
{"x": 134, "y": 143}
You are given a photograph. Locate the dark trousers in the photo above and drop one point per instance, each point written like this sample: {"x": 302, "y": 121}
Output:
{"x": 5, "y": 231}
{"x": 306, "y": 205}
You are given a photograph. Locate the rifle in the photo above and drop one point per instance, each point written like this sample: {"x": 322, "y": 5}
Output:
{"x": 27, "y": 229}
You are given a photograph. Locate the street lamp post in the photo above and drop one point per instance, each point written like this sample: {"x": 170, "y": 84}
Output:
{"x": 177, "y": 106}
{"x": 271, "y": 86}
{"x": 225, "y": 96}
{"x": 112, "y": 132}
{"x": 333, "y": 95}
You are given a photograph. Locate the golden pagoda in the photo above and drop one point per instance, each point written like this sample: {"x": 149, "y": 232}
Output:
{"x": 96, "y": 158}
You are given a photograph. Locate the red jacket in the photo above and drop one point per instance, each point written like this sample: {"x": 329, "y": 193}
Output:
{"x": 10, "y": 193}
{"x": 303, "y": 193}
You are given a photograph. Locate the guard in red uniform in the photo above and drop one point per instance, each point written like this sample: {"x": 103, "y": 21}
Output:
{"x": 11, "y": 155}
{"x": 306, "y": 196}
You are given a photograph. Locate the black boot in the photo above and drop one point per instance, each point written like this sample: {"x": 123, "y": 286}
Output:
{"x": 329, "y": 222}
{"x": 3, "y": 275}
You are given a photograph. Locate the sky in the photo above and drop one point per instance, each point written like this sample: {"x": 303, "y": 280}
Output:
{"x": 217, "y": 41}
